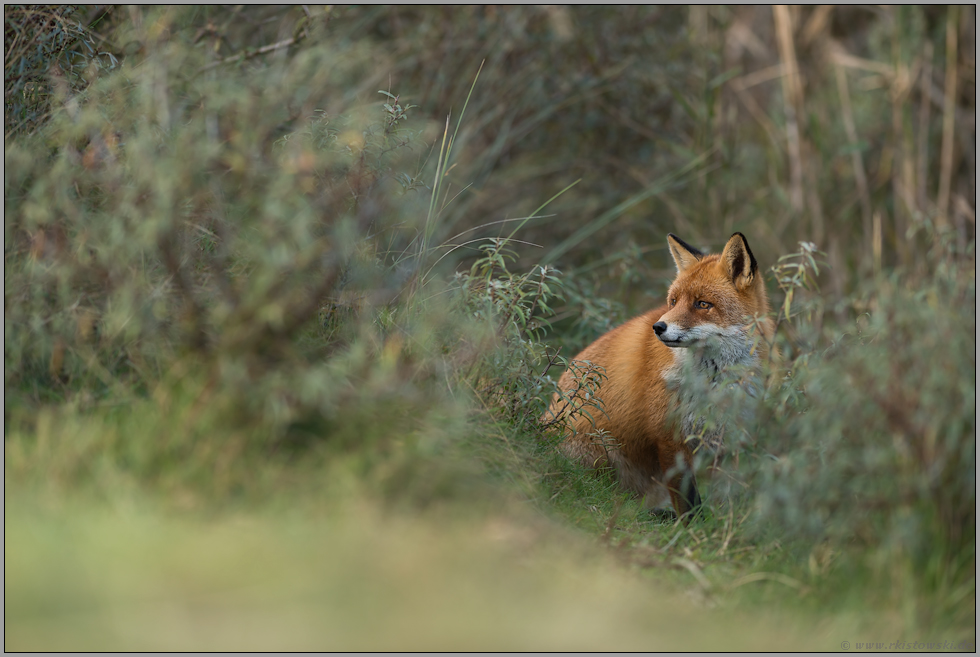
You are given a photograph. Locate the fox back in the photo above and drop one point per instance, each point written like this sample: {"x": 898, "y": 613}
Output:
{"x": 707, "y": 318}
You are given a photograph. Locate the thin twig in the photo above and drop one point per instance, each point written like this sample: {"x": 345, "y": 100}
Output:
{"x": 249, "y": 54}
{"x": 551, "y": 361}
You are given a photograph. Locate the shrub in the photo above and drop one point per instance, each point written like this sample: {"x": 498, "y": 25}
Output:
{"x": 224, "y": 228}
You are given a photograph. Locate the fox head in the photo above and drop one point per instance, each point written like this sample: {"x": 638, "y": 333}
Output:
{"x": 712, "y": 298}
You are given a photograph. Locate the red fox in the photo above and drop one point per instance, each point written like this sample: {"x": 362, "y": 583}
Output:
{"x": 707, "y": 318}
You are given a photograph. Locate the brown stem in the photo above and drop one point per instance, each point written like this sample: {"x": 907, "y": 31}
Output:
{"x": 949, "y": 116}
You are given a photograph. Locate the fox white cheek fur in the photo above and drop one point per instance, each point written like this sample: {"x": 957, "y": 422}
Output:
{"x": 725, "y": 345}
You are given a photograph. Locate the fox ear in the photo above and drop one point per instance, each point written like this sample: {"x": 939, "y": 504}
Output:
{"x": 684, "y": 254}
{"x": 739, "y": 261}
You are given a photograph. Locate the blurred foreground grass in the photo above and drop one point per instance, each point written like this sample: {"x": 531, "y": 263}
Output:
{"x": 107, "y": 549}
{"x": 349, "y": 576}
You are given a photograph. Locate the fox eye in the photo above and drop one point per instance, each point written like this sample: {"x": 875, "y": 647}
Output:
{"x": 672, "y": 301}
{"x": 702, "y": 305}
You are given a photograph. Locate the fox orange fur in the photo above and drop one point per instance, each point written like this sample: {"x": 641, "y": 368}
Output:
{"x": 708, "y": 318}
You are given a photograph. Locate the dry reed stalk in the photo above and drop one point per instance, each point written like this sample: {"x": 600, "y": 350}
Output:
{"x": 698, "y": 23}
{"x": 857, "y": 162}
{"x": 792, "y": 93}
{"x": 876, "y": 241}
{"x": 903, "y": 184}
{"x": 816, "y": 24}
{"x": 949, "y": 117}
{"x": 804, "y": 171}
{"x": 847, "y": 60}
{"x": 922, "y": 149}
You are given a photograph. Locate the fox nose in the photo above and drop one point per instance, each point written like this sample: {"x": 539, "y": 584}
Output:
{"x": 659, "y": 328}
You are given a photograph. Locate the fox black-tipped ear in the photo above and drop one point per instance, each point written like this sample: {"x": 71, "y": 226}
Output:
{"x": 739, "y": 261}
{"x": 684, "y": 254}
